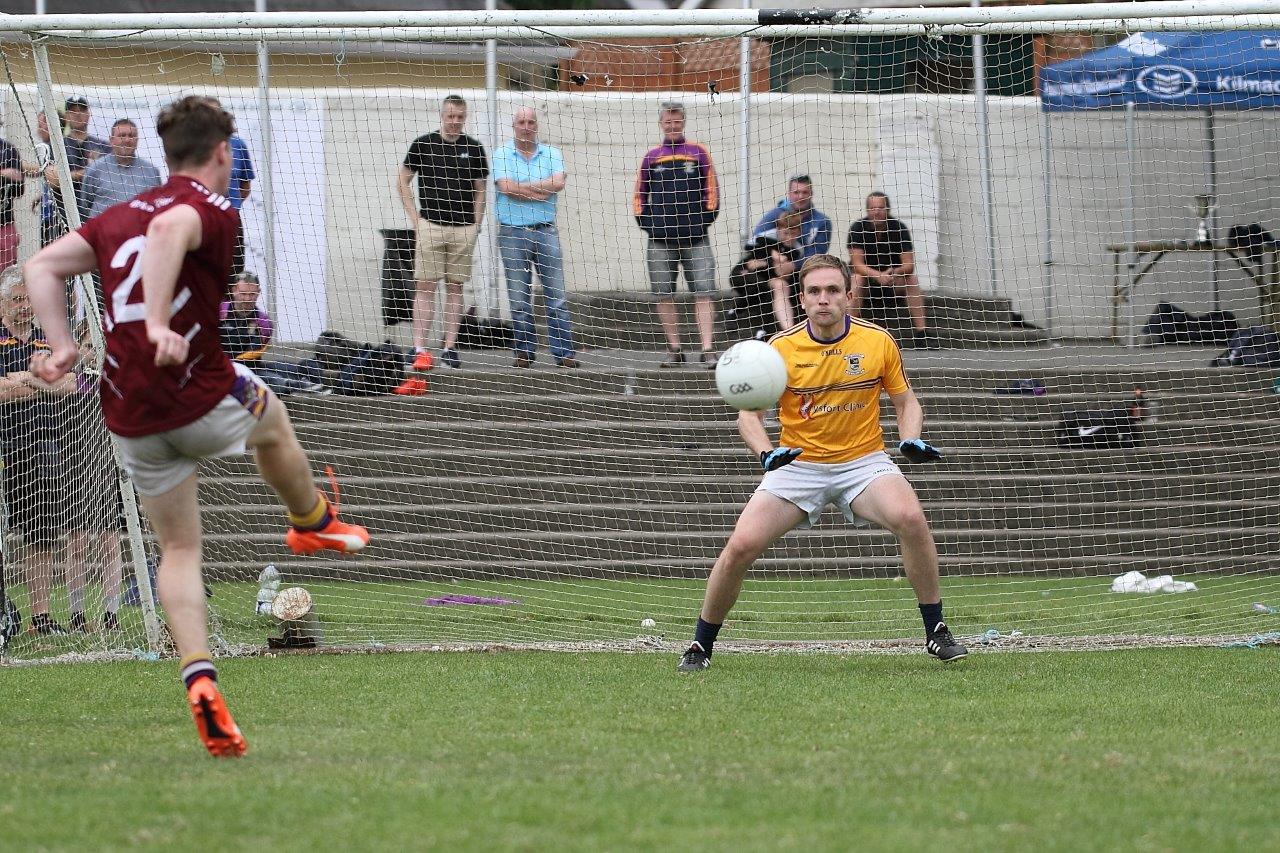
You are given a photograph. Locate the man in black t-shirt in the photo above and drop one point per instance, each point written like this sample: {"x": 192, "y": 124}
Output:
{"x": 452, "y": 173}
{"x": 82, "y": 147}
{"x": 881, "y": 255}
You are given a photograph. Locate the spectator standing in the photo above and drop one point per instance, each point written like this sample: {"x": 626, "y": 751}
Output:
{"x": 677, "y": 197}
{"x": 33, "y": 479}
{"x": 118, "y": 176}
{"x": 12, "y": 184}
{"x": 529, "y": 176}
{"x": 452, "y": 172}
{"x": 44, "y": 157}
{"x": 97, "y": 513}
{"x": 242, "y": 177}
{"x": 238, "y": 188}
{"x": 815, "y": 227}
{"x": 82, "y": 149}
{"x": 881, "y": 255}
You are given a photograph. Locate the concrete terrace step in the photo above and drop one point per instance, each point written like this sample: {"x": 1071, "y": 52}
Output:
{"x": 1002, "y": 547}
{"x": 933, "y": 372}
{"x": 708, "y": 406}
{"x": 687, "y": 493}
{"x": 624, "y": 470}
{"x": 414, "y": 436}
{"x": 626, "y": 319}
{"x": 624, "y": 304}
{"x": 1044, "y": 463}
{"x": 717, "y": 519}
{"x": 985, "y": 336}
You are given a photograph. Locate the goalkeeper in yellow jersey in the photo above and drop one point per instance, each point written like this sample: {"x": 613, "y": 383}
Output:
{"x": 831, "y": 451}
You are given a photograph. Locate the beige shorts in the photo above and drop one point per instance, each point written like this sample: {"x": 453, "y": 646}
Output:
{"x": 159, "y": 463}
{"x": 443, "y": 251}
{"x": 813, "y": 485}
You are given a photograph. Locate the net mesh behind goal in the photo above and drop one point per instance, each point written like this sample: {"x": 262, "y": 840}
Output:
{"x": 549, "y": 505}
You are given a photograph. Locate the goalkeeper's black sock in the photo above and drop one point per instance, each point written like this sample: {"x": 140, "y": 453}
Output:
{"x": 195, "y": 667}
{"x": 705, "y": 635}
{"x": 932, "y": 615}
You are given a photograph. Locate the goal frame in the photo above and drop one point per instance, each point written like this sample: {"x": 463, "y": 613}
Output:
{"x": 264, "y": 30}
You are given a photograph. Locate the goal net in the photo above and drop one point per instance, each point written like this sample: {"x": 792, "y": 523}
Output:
{"x": 1084, "y": 216}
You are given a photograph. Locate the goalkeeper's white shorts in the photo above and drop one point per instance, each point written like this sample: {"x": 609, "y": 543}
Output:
{"x": 813, "y": 485}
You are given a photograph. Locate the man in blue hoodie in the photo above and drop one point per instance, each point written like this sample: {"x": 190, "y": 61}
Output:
{"x": 815, "y": 227}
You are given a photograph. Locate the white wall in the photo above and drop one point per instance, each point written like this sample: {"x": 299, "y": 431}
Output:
{"x": 923, "y": 150}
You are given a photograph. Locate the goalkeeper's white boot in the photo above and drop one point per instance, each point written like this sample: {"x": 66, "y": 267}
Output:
{"x": 941, "y": 644}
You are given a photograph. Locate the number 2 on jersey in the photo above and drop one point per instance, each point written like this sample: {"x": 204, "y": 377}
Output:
{"x": 122, "y": 310}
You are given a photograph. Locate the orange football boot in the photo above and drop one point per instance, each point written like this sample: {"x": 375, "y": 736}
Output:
{"x": 334, "y": 536}
{"x": 422, "y": 362}
{"x": 337, "y": 535}
{"x": 218, "y": 732}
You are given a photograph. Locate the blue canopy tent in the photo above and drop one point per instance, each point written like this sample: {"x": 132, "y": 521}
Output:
{"x": 1206, "y": 71}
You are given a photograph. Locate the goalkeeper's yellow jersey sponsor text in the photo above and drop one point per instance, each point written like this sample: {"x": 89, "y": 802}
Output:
{"x": 831, "y": 407}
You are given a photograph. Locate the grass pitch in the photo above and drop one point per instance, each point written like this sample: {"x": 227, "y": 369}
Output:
{"x": 376, "y": 613}
{"x": 1129, "y": 750}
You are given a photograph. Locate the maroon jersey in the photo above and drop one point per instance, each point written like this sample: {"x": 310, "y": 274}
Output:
{"x": 139, "y": 398}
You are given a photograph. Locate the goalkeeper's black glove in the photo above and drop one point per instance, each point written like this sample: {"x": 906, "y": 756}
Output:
{"x": 772, "y": 460}
{"x": 919, "y": 450}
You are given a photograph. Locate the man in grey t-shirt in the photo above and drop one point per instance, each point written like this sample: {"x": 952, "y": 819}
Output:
{"x": 118, "y": 176}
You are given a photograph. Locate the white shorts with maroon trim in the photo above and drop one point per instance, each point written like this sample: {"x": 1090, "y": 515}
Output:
{"x": 813, "y": 485}
{"x": 159, "y": 463}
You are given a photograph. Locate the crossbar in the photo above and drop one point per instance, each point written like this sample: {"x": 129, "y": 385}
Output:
{"x": 597, "y": 33}
{"x": 674, "y": 18}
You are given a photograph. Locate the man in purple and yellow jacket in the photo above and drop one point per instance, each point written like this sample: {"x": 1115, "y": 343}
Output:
{"x": 677, "y": 197}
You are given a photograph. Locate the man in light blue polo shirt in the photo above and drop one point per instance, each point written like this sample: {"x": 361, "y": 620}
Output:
{"x": 528, "y": 176}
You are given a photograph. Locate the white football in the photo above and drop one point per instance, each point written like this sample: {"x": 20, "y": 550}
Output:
{"x": 751, "y": 376}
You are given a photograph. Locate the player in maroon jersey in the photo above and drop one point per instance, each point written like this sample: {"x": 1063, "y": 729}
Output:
{"x": 169, "y": 394}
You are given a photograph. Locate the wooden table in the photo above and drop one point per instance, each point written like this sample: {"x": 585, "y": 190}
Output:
{"x": 1147, "y": 253}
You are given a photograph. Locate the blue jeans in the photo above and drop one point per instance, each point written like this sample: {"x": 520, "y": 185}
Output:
{"x": 524, "y": 248}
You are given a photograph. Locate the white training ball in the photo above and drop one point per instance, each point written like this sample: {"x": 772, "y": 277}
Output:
{"x": 751, "y": 376}
{"x": 648, "y": 623}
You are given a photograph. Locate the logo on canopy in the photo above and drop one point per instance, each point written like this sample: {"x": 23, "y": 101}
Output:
{"x": 1142, "y": 44}
{"x": 1167, "y": 81}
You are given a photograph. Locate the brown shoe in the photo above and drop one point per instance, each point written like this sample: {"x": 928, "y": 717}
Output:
{"x": 675, "y": 358}
{"x": 522, "y": 360}
{"x": 568, "y": 361}
{"x": 708, "y": 358}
